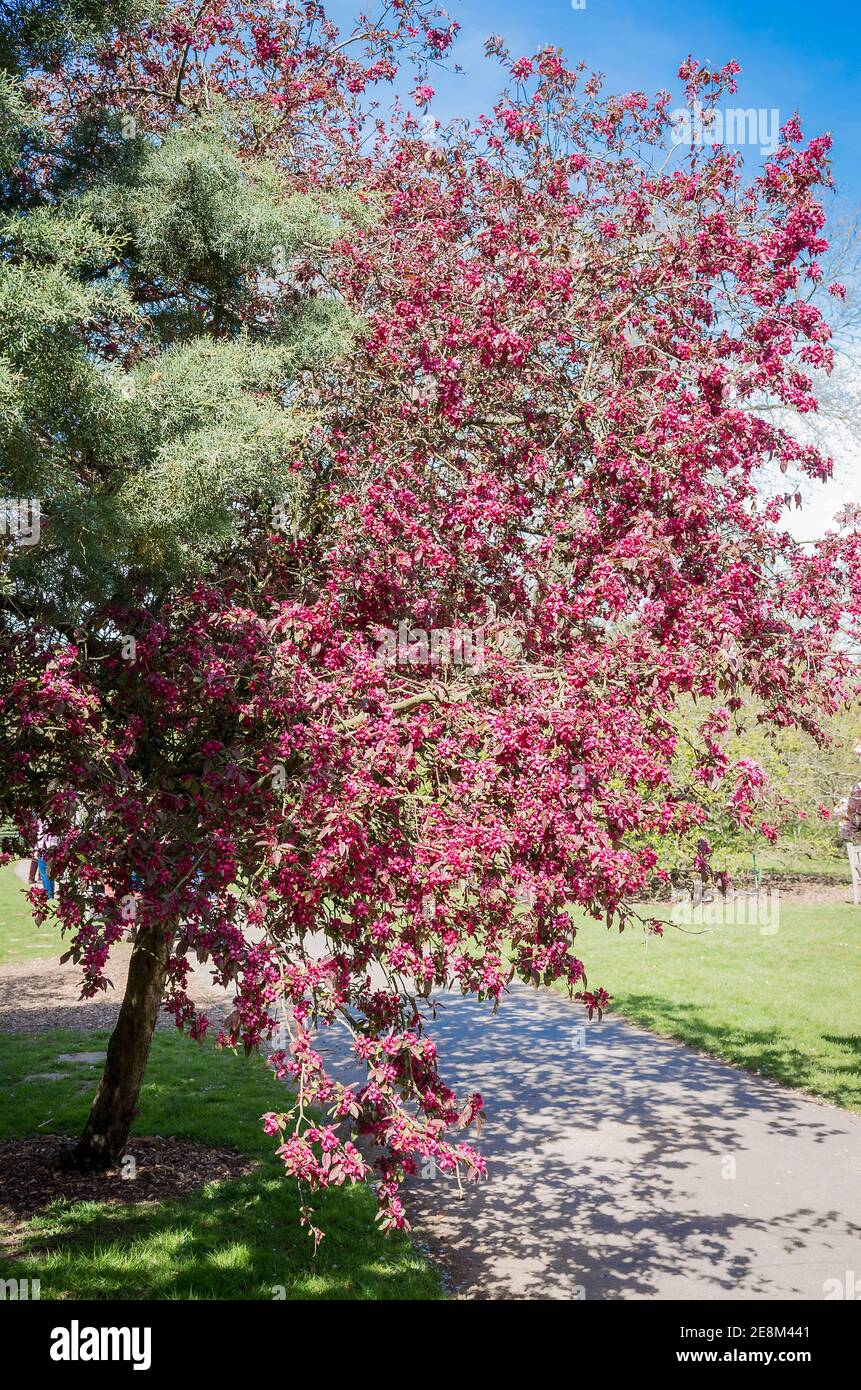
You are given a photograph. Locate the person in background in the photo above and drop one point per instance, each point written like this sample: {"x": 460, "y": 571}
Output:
{"x": 44, "y": 844}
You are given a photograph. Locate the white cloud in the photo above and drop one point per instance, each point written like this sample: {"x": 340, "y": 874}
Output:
{"x": 821, "y": 501}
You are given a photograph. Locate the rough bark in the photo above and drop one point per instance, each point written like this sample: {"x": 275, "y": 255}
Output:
{"x": 114, "y": 1106}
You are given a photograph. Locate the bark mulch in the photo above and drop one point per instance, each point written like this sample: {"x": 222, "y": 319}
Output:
{"x": 31, "y": 1176}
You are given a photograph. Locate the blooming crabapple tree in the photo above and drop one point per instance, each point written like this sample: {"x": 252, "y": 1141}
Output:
{"x": 544, "y": 433}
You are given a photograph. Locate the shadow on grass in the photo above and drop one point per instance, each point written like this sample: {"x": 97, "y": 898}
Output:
{"x": 759, "y": 1050}
{"x": 231, "y": 1240}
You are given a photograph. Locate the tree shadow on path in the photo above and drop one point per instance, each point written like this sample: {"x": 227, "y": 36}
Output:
{"x": 623, "y": 1165}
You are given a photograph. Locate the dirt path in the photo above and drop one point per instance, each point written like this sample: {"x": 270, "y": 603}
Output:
{"x": 39, "y": 995}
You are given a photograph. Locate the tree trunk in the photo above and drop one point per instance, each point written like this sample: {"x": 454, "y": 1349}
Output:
{"x": 115, "y": 1103}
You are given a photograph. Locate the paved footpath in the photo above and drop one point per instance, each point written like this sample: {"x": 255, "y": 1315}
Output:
{"x": 626, "y": 1166}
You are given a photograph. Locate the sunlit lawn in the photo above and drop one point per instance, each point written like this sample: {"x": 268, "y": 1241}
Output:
{"x": 787, "y": 1004}
{"x": 231, "y": 1240}
{"x": 236, "y": 1239}
{"x": 20, "y": 938}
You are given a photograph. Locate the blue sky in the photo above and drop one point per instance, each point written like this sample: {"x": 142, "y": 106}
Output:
{"x": 795, "y": 54}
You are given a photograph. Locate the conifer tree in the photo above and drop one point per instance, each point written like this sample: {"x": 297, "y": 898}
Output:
{"x": 156, "y": 304}
{"x": 152, "y": 323}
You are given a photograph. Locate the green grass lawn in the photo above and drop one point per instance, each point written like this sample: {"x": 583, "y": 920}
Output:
{"x": 786, "y": 1005}
{"x": 20, "y": 938}
{"x": 235, "y": 1239}
{"x": 230, "y": 1240}
{"x": 788, "y": 857}
{"x": 791, "y": 855}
